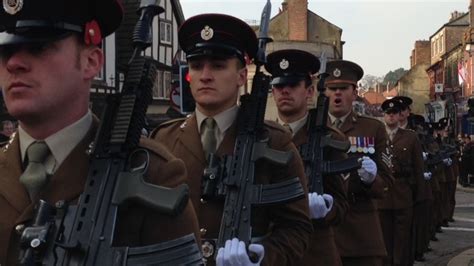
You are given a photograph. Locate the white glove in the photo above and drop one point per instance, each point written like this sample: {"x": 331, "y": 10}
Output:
{"x": 448, "y": 161}
{"x": 368, "y": 171}
{"x": 234, "y": 253}
{"x": 427, "y": 175}
{"x": 319, "y": 205}
{"x": 425, "y": 156}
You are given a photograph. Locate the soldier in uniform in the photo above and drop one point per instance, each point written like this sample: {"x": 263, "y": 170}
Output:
{"x": 292, "y": 87}
{"x": 7, "y": 129}
{"x": 217, "y": 48}
{"x": 50, "y": 53}
{"x": 396, "y": 210}
{"x": 359, "y": 237}
{"x": 405, "y": 114}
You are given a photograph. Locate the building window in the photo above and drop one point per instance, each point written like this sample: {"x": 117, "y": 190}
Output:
{"x": 441, "y": 40}
{"x": 162, "y": 86}
{"x": 165, "y": 32}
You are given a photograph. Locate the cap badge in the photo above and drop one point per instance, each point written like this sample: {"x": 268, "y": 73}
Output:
{"x": 336, "y": 73}
{"x": 390, "y": 105}
{"x": 207, "y": 33}
{"x": 12, "y": 6}
{"x": 284, "y": 64}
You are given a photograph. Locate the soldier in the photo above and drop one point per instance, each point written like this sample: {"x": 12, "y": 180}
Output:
{"x": 217, "y": 48}
{"x": 292, "y": 87}
{"x": 359, "y": 237}
{"x": 7, "y": 130}
{"x": 405, "y": 113}
{"x": 396, "y": 210}
{"x": 50, "y": 53}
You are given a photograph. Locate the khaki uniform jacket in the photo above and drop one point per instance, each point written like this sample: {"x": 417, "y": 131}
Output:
{"x": 409, "y": 184}
{"x": 323, "y": 249}
{"x": 288, "y": 226}
{"x": 360, "y": 234}
{"x": 136, "y": 226}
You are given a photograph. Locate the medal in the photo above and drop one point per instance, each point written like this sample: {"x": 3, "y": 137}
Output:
{"x": 371, "y": 145}
{"x": 359, "y": 144}
{"x": 353, "y": 144}
{"x": 364, "y": 144}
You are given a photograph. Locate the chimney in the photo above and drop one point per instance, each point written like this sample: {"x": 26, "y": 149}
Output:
{"x": 297, "y": 20}
{"x": 471, "y": 14}
{"x": 284, "y": 5}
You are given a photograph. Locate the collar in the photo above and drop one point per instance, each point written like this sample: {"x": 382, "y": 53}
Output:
{"x": 62, "y": 142}
{"x": 342, "y": 118}
{"x": 296, "y": 125}
{"x": 390, "y": 131}
{"x": 223, "y": 120}
{"x": 404, "y": 126}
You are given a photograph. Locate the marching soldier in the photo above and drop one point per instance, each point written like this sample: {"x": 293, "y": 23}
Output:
{"x": 217, "y": 48}
{"x": 359, "y": 237}
{"x": 292, "y": 87}
{"x": 50, "y": 53}
{"x": 396, "y": 210}
{"x": 423, "y": 213}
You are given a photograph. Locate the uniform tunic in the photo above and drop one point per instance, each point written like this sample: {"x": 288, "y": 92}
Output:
{"x": 285, "y": 228}
{"x": 136, "y": 225}
{"x": 323, "y": 250}
{"x": 359, "y": 238}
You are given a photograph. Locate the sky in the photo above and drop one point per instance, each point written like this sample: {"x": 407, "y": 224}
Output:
{"x": 379, "y": 34}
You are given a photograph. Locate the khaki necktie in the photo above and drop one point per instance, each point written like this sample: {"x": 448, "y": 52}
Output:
{"x": 337, "y": 123}
{"x": 287, "y": 126}
{"x": 391, "y": 135}
{"x": 209, "y": 141}
{"x": 35, "y": 176}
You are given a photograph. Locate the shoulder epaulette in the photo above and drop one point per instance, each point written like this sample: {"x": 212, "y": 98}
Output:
{"x": 171, "y": 122}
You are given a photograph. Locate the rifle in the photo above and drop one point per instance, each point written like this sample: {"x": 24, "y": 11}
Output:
{"x": 83, "y": 234}
{"x": 319, "y": 138}
{"x": 240, "y": 191}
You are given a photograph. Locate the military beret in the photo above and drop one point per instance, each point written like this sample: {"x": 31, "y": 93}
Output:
{"x": 291, "y": 66}
{"x": 391, "y": 106}
{"x": 343, "y": 73}
{"x": 26, "y": 21}
{"x": 217, "y": 35}
{"x": 404, "y": 100}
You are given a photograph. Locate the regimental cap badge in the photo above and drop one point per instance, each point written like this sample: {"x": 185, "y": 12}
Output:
{"x": 284, "y": 64}
{"x": 207, "y": 33}
{"x": 336, "y": 73}
{"x": 12, "y": 6}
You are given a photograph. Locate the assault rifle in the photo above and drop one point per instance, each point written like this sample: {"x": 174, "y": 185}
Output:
{"x": 250, "y": 146}
{"x": 319, "y": 140}
{"x": 83, "y": 234}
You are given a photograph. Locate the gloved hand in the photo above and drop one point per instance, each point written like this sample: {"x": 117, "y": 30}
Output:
{"x": 427, "y": 175}
{"x": 319, "y": 205}
{"x": 234, "y": 253}
{"x": 447, "y": 161}
{"x": 368, "y": 170}
{"x": 425, "y": 156}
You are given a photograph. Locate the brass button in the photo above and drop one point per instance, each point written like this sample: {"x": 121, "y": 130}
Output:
{"x": 203, "y": 231}
{"x": 20, "y": 228}
{"x": 203, "y": 201}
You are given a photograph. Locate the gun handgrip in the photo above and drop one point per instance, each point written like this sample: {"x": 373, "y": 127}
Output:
{"x": 171, "y": 201}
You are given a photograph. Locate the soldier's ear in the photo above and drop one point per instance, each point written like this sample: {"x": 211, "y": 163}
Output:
{"x": 93, "y": 60}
